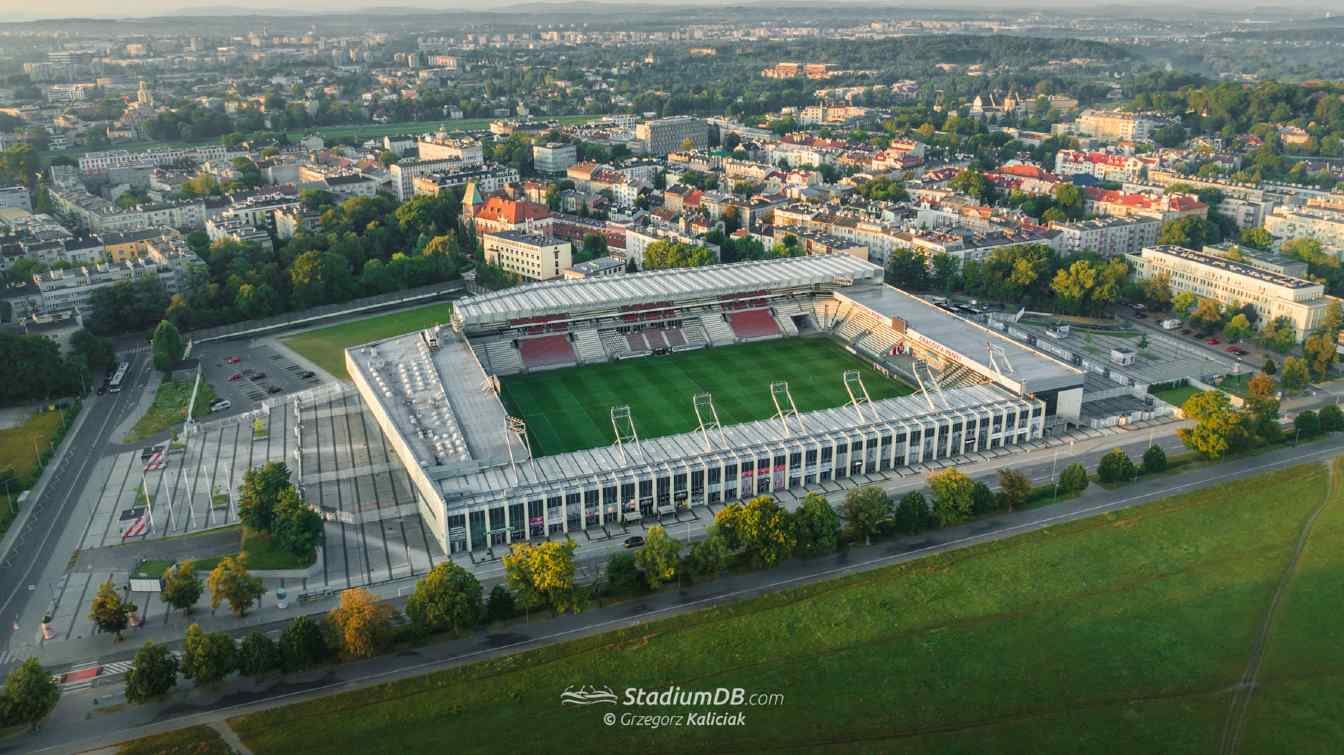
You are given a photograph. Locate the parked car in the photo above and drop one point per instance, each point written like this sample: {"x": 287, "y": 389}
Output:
{"x": 220, "y": 404}
{"x": 254, "y": 377}
{"x": 102, "y": 389}
{"x": 634, "y": 542}
{"x": 1140, "y": 316}
{"x": 1237, "y": 350}
{"x": 234, "y": 360}
{"x": 1186, "y": 331}
{"x": 235, "y": 377}
{"x": 307, "y": 374}
{"x": 274, "y": 389}
{"x": 1212, "y": 341}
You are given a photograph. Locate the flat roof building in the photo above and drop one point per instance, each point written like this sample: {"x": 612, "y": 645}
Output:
{"x": 1228, "y": 281}
{"x": 528, "y": 255}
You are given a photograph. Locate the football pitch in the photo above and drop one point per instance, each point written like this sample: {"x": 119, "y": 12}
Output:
{"x": 570, "y": 409}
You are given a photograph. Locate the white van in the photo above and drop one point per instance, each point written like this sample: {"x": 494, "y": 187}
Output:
{"x": 219, "y": 405}
{"x": 1171, "y": 323}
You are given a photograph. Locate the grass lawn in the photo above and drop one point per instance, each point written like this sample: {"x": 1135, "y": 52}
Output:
{"x": 152, "y": 568}
{"x": 170, "y": 408}
{"x": 1236, "y": 384}
{"x": 16, "y": 443}
{"x": 193, "y": 740}
{"x": 263, "y": 553}
{"x": 1119, "y": 633}
{"x": 1177, "y": 396}
{"x": 373, "y": 130}
{"x": 568, "y": 410}
{"x": 326, "y": 347}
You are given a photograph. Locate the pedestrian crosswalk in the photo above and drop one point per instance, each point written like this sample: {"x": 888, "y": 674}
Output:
{"x": 116, "y": 667}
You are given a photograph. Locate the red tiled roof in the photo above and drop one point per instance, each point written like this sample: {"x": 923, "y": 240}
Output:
{"x": 513, "y": 212}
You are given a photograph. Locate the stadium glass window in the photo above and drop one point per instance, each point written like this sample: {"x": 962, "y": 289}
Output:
{"x": 679, "y": 483}
{"x": 856, "y": 446}
{"x": 645, "y": 489}
{"x": 590, "y": 498}
{"x": 957, "y": 427}
{"x": 714, "y": 475}
{"x": 627, "y": 491}
{"x": 884, "y": 441}
{"x": 841, "y": 451}
{"x": 763, "y": 466}
{"x": 827, "y": 453}
{"x": 795, "y": 459}
{"x": 609, "y": 495}
{"x": 730, "y": 473}
{"x": 698, "y": 479}
{"x": 1011, "y": 421}
{"x": 810, "y": 457}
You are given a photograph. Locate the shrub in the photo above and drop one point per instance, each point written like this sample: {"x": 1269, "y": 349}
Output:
{"x": 1154, "y": 460}
{"x": 912, "y": 513}
{"x": 153, "y": 674}
{"x": 302, "y": 644}
{"x": 258, "y": 654}
{"x": 448, "y": 598}
{"x": 623, "y": 575}
{"x": 982, "y": 499}
{"x": 1115, "y": 466}
{"x": 1073, "y": 479}
{"x": 500, "y": 606}
{"x": 1332, "y": 419}
{"x": 1307, "y": 423}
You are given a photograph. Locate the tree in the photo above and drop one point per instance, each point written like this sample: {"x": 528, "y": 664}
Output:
{"x": 181, "y": 587}
{"x": 1307, "y": 423}
{"x": 447, "y": 598}
{"x": 1269, "y": 368}
{"x": 1206, "y": 316}
{"x": 662, "y": 255}
{"x": 1237, "y": 328}
{"x": 982, "y": 499}
{"x": 817, "y": 526}
{"x": 1015, "y": 488}
{"x": 153, "y": 674}
{"x": 543, "y": 574}
{"x": 623, "y": 575}
{"x": 865, "y": 511}
{"x": 1073, "y": 479}
{"x": 296, "y": 526}
{"x": 1116, "y": 466}
{"x": 500, "y": 605}
{"x": 973, "y": 184}
{"x": 258, "y": 654}
{"x": 1256, "y": 238}
{"x": 1190, "y": 231}
{"x": 1319, "y": 351}
{"x": 259, "y": 494}
{"x": 907, "y": 269}
{"x": 167, "y": 346}
{"x": 1183, "y": 303}
{"x": 109, "y": 612}
{"x": 912, "y": 513}
{"x": 760, "y": 527}
{"x": 302, "y": 644}
{"x": 30, "y": 694}
{"x": 1294, "y": 376}
{"x": 1331, "y": 418}
{"x": 1279, "y": 334}
{"x": 207, "y": 658}
{"x": 709, "y": 557}
{"x": 361, "y": 624}
{"x": 96, "y": 352}
{"x": 952, "y": 496}
{"x": 1219, "y": 426}
{"x": 230, "y": 581}
{"x": 658, "y": 558}
{"x": 1260, "y": 386}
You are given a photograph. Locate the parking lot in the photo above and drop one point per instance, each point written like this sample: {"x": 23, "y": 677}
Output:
{"x": 245, "y": 373}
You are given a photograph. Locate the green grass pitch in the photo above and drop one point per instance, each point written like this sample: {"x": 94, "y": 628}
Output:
{"x": 570, "y": 409}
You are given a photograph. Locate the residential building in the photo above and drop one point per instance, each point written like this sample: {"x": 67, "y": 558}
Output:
{"x": 1108, "y": 236}
{"x": 1103, "y": 165}
{"x": 1228, "y": 281}
{"x": 500, "y": 214}
{"x": 489, "y": 179}
{"x": 531, "y": 256}
{"x": 72, "y": 289}
{"x": 1116, "y": 125}
{"x": 1320, "y": 223}
{"x": 443, "y": 147}
{"x": 403, "y": 173}
{"x": 102, "y": 162}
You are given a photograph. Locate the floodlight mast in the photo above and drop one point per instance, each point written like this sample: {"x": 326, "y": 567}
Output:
{"x": 626, "y": 438}
{"x": 785, "y": 409}
{"x": 710, "y": 429}
{"x": 858, "y": 394}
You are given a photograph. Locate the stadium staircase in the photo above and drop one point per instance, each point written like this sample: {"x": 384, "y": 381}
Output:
{"x": 959, "y": 376}
{"x": 785, "y": 323}
{"x": 504, "y": 359}
{"x": 655, "y": 338}
{"x": 695, "y": 335}
{"x": 614, "y": 343}
{"x": 848, "y": 329}
{"x": 588, "y": 344}
{"x": 719, "y": 332}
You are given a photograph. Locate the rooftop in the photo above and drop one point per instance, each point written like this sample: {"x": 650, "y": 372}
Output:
{"x": 1231, "y": 266}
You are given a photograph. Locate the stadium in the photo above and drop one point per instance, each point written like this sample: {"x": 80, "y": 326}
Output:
{"x": 575, "y": 405}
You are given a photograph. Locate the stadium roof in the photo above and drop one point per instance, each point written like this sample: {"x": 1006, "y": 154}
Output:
{"x": 562, "y": 297}
{"x": 1024, "y": 368}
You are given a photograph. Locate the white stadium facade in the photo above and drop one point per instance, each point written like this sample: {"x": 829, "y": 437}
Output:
{"x": 435, "y": 395}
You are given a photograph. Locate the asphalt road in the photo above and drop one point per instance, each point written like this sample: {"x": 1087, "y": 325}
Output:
{"x": 23, "y": 567}
{"x": 74, "y": 727}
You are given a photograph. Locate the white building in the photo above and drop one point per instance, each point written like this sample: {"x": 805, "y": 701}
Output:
{"x": 531, "y": 256}
{"x": 1108, "y": 236}
{"x": 1320, "y": 223}
{"x": 1227, "y": 281}
{"x": 553, "y": 157}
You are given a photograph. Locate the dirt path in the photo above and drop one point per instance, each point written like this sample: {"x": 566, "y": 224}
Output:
{"x": 1235, "y": 724}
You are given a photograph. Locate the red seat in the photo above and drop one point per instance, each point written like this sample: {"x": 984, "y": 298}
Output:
{"x": 753, "y": 323}
{"x": 547, "y": 351}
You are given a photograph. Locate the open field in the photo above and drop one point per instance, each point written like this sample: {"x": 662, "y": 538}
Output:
{"x": 326, "y": 347}
{"x": 568, "y": 410}
{"x": 1177, "y": 396}
{"x": 17, "y": 443}
{"x": 1126, "y": 632}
